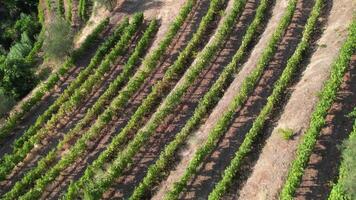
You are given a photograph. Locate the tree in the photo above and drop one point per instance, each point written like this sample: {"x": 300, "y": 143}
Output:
{"x": 58, "y": 42}
{"x": 17, "y": 77}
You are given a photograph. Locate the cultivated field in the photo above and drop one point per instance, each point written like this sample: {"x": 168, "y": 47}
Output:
{"x": 190, "y": 99}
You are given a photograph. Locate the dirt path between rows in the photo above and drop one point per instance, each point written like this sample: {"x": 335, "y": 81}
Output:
{"x": 173, "y": 123}
{"x": 197, "y": 138}
{"x": 323, "y": 165}
{"x": 271, "y": 169}
{"x": 213, "y": 166}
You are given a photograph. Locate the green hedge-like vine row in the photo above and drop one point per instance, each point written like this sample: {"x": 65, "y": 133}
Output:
{"x": 68, "y": 13}
{"x": 338, "y": 191}
{"x": 60, "y": 8}
{"x": 156, "y": 170}
{"x": 36, "y": 133}
{"x": 147, "y": 104}
{"x": 327, "y": 97}
{"x": 45, "y": 162}
{"x": 272, "y": 100}
{"x": 246, "y": 88}
{"x": 96, "y": 187}
{"x": 45, "y": 87}
{"x": 83, "y": 9}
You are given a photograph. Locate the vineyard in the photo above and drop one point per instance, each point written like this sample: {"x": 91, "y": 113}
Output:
{"x": 190, "y": 99}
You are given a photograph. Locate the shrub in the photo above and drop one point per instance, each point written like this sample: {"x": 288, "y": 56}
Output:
{"x": 286, "y": 133}
{"x": 17, "y": 77}
{"x": 6, "y": 102}
{"x": 349, "y": 157}
{"x": 58, "y": 42}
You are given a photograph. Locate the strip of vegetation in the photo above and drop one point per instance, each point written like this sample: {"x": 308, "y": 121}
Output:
{"x": 45, "y": 162}
{"x": 84, "y": 6}
{"x": 327, "y": 97}
{"x": 155, "y": 171}
{"x": 68, "y": 13}
{"x": 272, "y": 100}
{"x": 95, "y": 188}
{"x": 34, "y": 136}
{"x": 45, "y": 87}
{"x": 60, "y": 8}
{"x": 246, "y": 88}
{"x": 344, "y": 189}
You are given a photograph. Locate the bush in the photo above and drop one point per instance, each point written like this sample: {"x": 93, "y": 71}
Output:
{"x": 17, "y": 77}
{"x": 109, "y": 4}
{"x": 349, "y": 156}
{"x": 58, "y": 42}
{"x": 286, "y": 133}
{"x": 6, "y": 102}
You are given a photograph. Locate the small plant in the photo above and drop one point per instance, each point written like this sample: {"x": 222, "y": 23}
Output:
{"x": 286, "y": 133}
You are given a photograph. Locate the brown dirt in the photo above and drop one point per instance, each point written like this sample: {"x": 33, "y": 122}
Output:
{"x": 197, "y": 138}
{"x": 323, "y": 165}
{"x": 173, "y": 123}
{"x": 211, "y": 170}
{"x": 272, "y": 165}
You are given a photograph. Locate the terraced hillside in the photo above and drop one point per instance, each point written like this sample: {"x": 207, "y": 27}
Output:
{"x": 193, "y": 99}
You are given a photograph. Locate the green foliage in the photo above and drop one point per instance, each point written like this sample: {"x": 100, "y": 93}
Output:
{"x": 60, "y": 8}
{"x": 272, "y": 100}
{"x": 345, "y": 188}
{"x": 113, "y": 88}
{"x": 69, "y": 10}
{"x": 210, "y": 99}
{"x": 286, "y": 133}
{"x": 109, "y": 4}
{"x": 20, "y": 49}
{"x": 149, "y": 64}
{"x": 327, "y": 97}
{"x": 349, "y": 159}
{"x": 96, "y": 186}
{"x": 78, "y": 96}
{"x": 8, "y": 161}
{"x": 17, "y": 77}
{"x": 6, "y": 102}
{"x": 58, "y": 41}
{"x": 84, "y": 6}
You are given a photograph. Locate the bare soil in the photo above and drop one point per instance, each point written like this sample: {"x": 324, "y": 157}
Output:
{"x": 323, "y": 165}
{"x": 269, "y": 172}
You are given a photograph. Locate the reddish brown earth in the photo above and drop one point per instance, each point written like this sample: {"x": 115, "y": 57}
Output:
{"x": 213, "y": 166}
{"x": 323, "y": 165}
